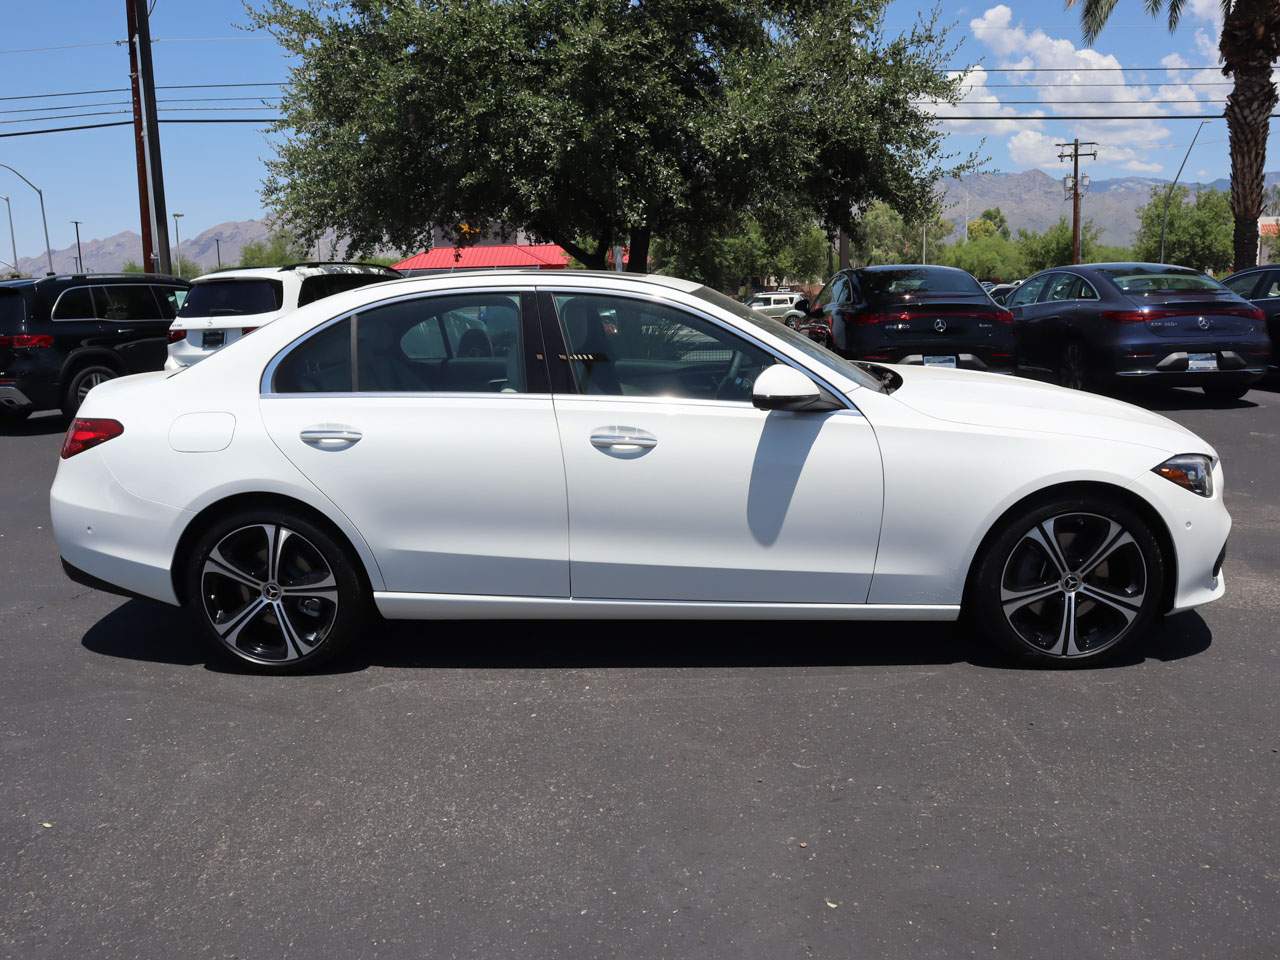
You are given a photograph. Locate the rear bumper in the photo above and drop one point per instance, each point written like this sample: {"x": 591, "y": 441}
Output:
{"x": 1169, "y": 365}
{"x": 13, "y": 399}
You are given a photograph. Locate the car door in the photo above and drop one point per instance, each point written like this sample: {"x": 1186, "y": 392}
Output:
{"x": 134, "y": 324}
{"x": 428, "y": 421}
{"x": 1027, "y": 312}
{"x": 679, "y": 488}
{"x": 1267, "y": 298}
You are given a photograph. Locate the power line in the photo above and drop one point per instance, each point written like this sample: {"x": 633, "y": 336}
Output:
{"x": 129, "y": 123}
{"x": 172, "y": 86}
{"x": 65, "y": 46}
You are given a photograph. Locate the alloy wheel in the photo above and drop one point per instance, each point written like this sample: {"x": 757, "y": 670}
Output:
{"x": 1073, "y": 373}
{"x": 269, "y": 593}
{"x": 88, "y": 382}
{"x": 1073, "y": 585}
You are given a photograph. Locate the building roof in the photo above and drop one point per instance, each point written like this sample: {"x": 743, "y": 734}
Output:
{"x": 539, "y": 256}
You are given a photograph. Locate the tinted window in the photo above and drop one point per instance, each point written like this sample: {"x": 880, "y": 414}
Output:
{"x": 13, "y": 309}
{"x": 469, "y": 343}
{"x": 320, "y": 364}
{"x": 840, "y": 291}
{"x": 894, "y": 282}
{"x": 233, "y": 298}
{"x": 74, "y": 304}
{"x": 170, "y": 299}
{"x": 1028, "y": 291}
{"x": 125, "y": 302}
{"x": 625, "y": 347}
{"x": 1062, "y": 286}
{"x": 1270, "y": 288}
{"x": 1243, "y": 284}
{"x": 1141, "y": 279}
{"x": 326, "y": 285}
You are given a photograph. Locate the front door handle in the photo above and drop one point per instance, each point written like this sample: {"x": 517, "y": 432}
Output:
{"x": 125, "y": 330}
{"x": 330, "y": 436}
{"x": 622, "y": 439}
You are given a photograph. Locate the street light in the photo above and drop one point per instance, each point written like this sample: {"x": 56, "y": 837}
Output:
{"x": 13, "y": 243}
{"x": 48, "y": 250}
{"x": 79, "y": 252}
{"x": 1164, "y": 220}
{"x": 177, "y": 246}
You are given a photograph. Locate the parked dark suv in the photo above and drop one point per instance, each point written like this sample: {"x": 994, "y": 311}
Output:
{"x": 1098, "y": 323}
{"x": 1261, "y": 287}
{"x": 908, "y": 313}
{"x": 62, "y": 335}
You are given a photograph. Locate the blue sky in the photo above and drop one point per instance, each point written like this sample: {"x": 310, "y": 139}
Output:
{"x": 213, "y": 172}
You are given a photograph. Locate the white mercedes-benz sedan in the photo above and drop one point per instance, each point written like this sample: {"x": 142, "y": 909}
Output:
{"x": 538, "y": 445}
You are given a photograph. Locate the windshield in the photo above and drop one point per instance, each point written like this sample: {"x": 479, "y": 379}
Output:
{"x": 1158, "y": 279}
{"x": 232, "y": 298}
{"x": 812, "y": 350}
{"x": 880, "y": 283}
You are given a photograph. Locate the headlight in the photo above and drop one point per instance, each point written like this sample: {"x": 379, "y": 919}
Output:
{"x": 1194, "y": 471}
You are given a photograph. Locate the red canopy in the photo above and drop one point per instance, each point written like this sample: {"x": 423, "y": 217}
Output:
{"x": 539, "y": 256}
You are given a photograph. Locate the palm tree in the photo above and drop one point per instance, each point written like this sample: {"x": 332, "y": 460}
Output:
{"x": 1250, "y": 43}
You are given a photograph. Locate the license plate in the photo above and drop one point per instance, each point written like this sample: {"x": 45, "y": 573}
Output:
{"x": 213, "y": 338}
{"x": 939, "y": 361}
{"x": 1199, "y": 362}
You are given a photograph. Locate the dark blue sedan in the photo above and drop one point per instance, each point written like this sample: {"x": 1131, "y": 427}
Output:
{"x": 1096, "y": 324}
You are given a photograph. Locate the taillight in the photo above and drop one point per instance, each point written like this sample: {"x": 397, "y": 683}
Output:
{"x": 1255, "y": 313}
{"x": 871, "y": 318}
{"x": 1127, "y": 316}
{"x": 27, "y": 341}
{"x": 245, "y": 331}
{"x": 176, "y": 335}
{"x": 85, "y": 433}
{"x": 1004, "y": 316}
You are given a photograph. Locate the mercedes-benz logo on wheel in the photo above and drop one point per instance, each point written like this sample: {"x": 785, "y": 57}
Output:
{"x": 940, "y": 325}
{"x": 1202, "y": 322}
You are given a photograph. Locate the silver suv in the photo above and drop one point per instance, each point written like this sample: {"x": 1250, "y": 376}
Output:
{"x": 774, "y": 303}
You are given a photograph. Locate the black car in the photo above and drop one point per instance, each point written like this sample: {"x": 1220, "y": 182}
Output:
{"x": 1261, "y": 286}
{"x": 1107, "y": 323}
{"x": 62, "y": 335}
{"x": 938, "y": 316}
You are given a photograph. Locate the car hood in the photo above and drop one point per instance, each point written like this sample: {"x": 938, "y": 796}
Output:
{"x": 1011, "y": 403}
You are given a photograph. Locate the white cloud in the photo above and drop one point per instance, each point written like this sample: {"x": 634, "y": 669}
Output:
{"x": 1030, "y": 148}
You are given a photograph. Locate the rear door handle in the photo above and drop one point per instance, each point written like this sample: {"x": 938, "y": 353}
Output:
{"x": 125, "y": 330}
{"x": 622, "y": 439}
{"x": 330, "y": 436}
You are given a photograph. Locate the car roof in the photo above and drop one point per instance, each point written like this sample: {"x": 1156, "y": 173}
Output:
{"x": 97, "y": 277}
{"x": 310, "y": 269}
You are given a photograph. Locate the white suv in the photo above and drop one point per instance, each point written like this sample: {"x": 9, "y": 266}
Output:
{"x": 222, "y": 307}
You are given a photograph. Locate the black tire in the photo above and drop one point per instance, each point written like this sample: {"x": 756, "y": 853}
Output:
{"x": 1225, "y": 391}
{"x": 291, "y": 616}
{"x": 1073, "y": 367}
{"x": 1112, "y": 601}
{"x": 81, "y": 382}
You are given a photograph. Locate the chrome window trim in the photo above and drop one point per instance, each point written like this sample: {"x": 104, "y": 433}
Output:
{"x": 715, "y": 321}
{"x": 90, "y": 287}
{"x": 54, "y": 309}
{"x": 1082, "y": 278}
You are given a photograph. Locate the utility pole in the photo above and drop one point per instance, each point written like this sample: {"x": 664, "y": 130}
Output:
{"x": 1164, "y": 219}
{"x": 844, "y": 250}
{"x": 924, "y": 242}
{"x": 13, "y": 242}
{"x": 217, "y": 246}
{"x": 48, "y": 250}
{"x": 177, "y": 246}
{"x": 79, "y": 252}
{"x": 1072, "y": 150}
{"x": 147, "y": 126}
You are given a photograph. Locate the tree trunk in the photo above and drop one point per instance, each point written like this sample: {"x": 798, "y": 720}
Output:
{"x": 592, "y": 261}
{"x": 1248, "y": 48}
{"x": 638, "y": 250}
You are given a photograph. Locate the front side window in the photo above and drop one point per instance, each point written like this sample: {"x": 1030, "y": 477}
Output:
{"x": 1028, "y": 291}
{"x": 126, "y": 302}
{"x": 74, "y": 304}
{"x": 619, "y": 346}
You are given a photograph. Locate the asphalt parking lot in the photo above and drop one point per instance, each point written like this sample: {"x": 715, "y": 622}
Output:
{"x": 587, "y": 790}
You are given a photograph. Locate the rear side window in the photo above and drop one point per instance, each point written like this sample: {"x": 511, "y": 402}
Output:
{"x": 74, "y": 304}
{"x": 170, "y": 299}
{"x": 1243, "y": 285}
{"x": 125, "y": 302}
{"x": 888, "y": 283}
{"x": 1063, "y": 286}
{"x": 1270, "y": 289}
{"x": 320, "y": 364}
{"x": 326, "y": 285}
{"x": 233, "y": 297}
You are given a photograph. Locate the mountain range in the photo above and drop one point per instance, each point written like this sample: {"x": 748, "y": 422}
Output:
{"x": 1031, "y": 200}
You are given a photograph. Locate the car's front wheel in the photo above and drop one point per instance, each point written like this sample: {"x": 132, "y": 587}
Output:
{"x": 1071, "y": 581}
{"x": 274, "y": 591}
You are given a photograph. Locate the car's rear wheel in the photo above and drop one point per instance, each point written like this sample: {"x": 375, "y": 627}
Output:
{"x": 1225, "y": 391}
{"x": 84, "y": 380}
{"x": 1073, "y": 367}
{"x": 1071, "y": 581}
{"x": 274, "y": 591}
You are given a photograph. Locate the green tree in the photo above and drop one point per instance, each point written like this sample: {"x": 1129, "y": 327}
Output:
{"x": 981, "y": 228}
{"x": 187, "y": 268}
{"x": 132, "y": 266}
{"x": 752, "y": 253}
{"x": 279, "y": 248}
{"x": 1249, "y": 45}
{"x": 1052, "y": 248}
{"x": 995, "y": 216}
{"x": 884, "y": 235}
{"x": 1199, "y": 232}
{"x": 597, "y": 122}
{"x": 989, "y": 257}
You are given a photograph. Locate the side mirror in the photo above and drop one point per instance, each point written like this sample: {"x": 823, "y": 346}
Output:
{"x": 781, "y": 387}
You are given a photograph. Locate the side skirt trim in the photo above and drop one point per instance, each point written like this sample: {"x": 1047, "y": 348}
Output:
{"x": 456, "y": 606}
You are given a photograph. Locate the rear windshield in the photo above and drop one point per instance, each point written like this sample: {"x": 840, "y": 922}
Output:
{"x": 13, "y": 309}
{"x": 1158, "y": 279}
{"x": 881, "y": 283}
{"x": 232, "y": 298}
